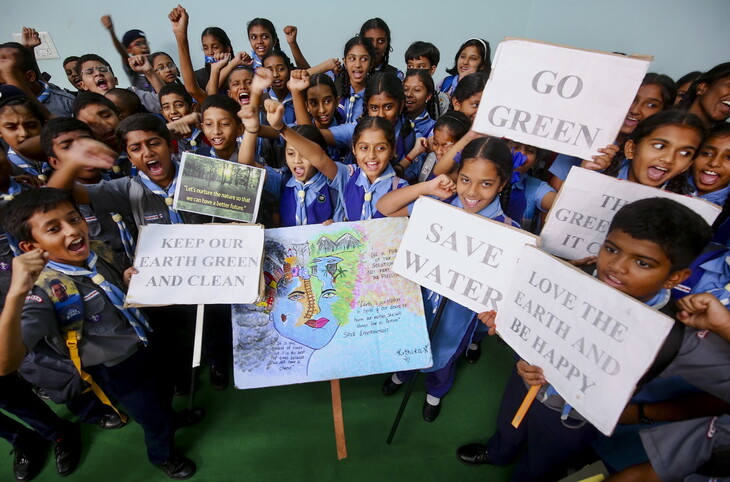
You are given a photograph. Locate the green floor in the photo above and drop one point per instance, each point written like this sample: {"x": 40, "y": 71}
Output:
{"x": 286, "y": 433}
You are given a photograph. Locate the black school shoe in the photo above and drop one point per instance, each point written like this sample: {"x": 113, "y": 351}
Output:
{"x": 110, "y": 420}
{"x": 68, "y": 451}
{"x": 473, "y": 454}
{"x": 431, "y": 412}
{"x": 178, "y": 467}
{"x": 28, "y": 464}
{"x": 472, "y": 356}
{"x": 389, "y": 387}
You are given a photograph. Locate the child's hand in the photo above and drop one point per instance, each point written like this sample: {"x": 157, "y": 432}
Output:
{"x": 249, "y": 115}
{"x": 242, "y": 58}
{"x": 298, "y": 81}
{"x": 328, "y": 222}
{"x": 587, "y": 261}
{"x": 262, "y": 80}
{"x": 440, "y": 186}
{"x": 26, "y": 269}
{"x": 601, "y": 161}
{"x": 221, "y": 60}
{"x": 274, "y": 113}
{"x": 179, "y": 19}
{"x": 489, "y": 318}
{"x": 419, "y": 148}
{"x": 532, "y": 375}
{"x": 140, "y": 63}
{"x": 30, "y": 38}
{"x": 85, "y": 152}
{"x": 29, "y": 180}
{"x": 291, "y": 34}
{"x": 106, "y": 21}
{"x": 704, "y": 312}
{"x": 128, "y": 273}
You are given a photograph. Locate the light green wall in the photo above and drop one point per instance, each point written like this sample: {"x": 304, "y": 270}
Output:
{"x": 682, "y": 35}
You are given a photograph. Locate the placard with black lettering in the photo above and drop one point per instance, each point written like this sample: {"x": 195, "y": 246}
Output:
{"x": 465, "y": 257}
{"x": 191, "y": 264}
{"x": 593, "y": 342}
{"x": 578, "y": 222}
{"x": 559, "y": 98}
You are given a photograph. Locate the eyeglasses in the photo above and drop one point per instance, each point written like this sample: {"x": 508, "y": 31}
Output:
{"x": 139, "y": 43}
{"x": 102, "y": 69}
{"x": 170, "y": 66}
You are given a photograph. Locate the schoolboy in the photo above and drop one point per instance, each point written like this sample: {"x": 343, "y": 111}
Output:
{"x": 97, "y": 76}
{"x": 109, "y": 340}
{"x": 57, "y": 101}
{"x": 126, "y": 101}
{"x": 426, "y": 56}
{"x": 148, "y": 198}
{"x": 69, "y": 67}
{"x": 116, "y": 231}
{"x": 30, "y": 446}
{"x": 102, "y": 116}
{"x": 648, "y": 249}
{"x": 221, "y": 127}
{"x": 702, "y": 445}
{"x": 134, "y": 42}
{"x": 183, "y": 119}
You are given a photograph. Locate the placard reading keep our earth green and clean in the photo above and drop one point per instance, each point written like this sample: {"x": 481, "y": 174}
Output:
{"x": 219, "y": 188}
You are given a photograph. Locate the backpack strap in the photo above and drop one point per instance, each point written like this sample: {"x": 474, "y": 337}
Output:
{"x": 70, "y": 318}
{"x": 669, "y": 348}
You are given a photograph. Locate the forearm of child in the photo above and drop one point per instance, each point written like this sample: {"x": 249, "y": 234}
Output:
{"x": 329, "y": 64}
{"x": 445, "y": 165}
{"x": 249, "y": 115}
{"x": 296, "y": 52}
{"x": 704, "y": 311}
{"x": 26, "y": 269}
{"x": 685, "y": 407}
{"x": 179, "y": 18}
{"x": 310, "y": 150}
{"x": 300, "y": 108}
{"x": 395, "y": 202}
{"x": 219, "y": 72}
{"x": 82, "y": 153}
{"x": 106, "y": 21}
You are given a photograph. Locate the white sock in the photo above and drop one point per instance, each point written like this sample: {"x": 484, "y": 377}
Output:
{"x": 431, "y": 400}
{"x": 395, "y": 379}
{"x": 472, "y": 346}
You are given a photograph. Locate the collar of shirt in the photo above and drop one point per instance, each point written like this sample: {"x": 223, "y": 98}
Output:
{"x": 233, "y": 158}
{"x": 493, "y": 209}
{"x": 715, "y": 197}
{"x": 311, "y": 188}
{"x": 382, "y": 187}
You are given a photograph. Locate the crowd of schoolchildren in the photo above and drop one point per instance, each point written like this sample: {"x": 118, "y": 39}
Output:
{"x": 351, "y": 138}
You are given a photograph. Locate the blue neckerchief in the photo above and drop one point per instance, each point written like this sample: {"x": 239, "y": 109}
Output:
{"x": 377, "y": 186}
{"x": 307, "y": 193}
{"x": 45, "y": 94}
{"x": 188, "y": 144}
{"x": 167, "y": 194}
{"x": 13, "y": 189}
{"x": 660, "y": 299}
{"x": 125, "y": 235}
{"x": 257, "y": 62}
{"x": 518, "y": 160}
{"x": 234, "y": 156}
{"x": 115, "y": 294}
{"x": 424, "y": 123}
{"x": 623, "y": 172}
{"x": 28, "y": 165}
{"x": 350, "y": 104}
{"x": 715, "y": 197}
{"x": 208, "y": 59}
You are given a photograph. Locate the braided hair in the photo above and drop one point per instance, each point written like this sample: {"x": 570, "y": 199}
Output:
{"x": 427, "y": 81}
{"x": 389, "y": 84}
{"x": 378, "y": 23}
{"x": 343, "y": 80}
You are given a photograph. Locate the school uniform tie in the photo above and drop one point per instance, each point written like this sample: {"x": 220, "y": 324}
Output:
{"x": 301, "y": 212}
{"x": 29, "y": 166}
{"x": 125, "y": 235}
{"x": 306, "y": 194}
{"x": 367, "y": 205}
{"x": 116, "y": 295}
{"x": 166, "y": 194}
{"x": 190, "y": 143}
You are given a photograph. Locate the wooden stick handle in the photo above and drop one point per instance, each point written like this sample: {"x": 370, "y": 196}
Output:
{"x": 522, "y": 411}
{"x": 338, "y": 419}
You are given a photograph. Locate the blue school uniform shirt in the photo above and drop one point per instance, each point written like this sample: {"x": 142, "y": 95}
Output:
{"x": 290, "y": 117}
{"x": 351, "y": 107}
{"x": 526, "y": 198}
{"x": 448, "y": 84}
{"x": 210, "y": 152}
{"x": 23, "y": 165}
{"x": 722, "y": 232}
{"x": 337, "y": 153}
{"x": 317, "y": 202}
{"x": 404, "y": 144}
{"x": 424, "y": 123}
{"x": 456, "y": 321}
{"x": 257, "y": 62}
{"x": 359, "y": 196}
{"x": 710, "y": 274}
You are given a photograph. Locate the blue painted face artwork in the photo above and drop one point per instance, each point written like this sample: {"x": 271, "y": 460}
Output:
{"x": 305, "y": 314}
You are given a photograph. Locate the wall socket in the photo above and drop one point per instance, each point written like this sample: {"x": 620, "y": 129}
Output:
{"x": 46, "y": 50}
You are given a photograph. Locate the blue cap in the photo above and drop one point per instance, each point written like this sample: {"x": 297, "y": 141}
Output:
{"x": 131, "y": 36}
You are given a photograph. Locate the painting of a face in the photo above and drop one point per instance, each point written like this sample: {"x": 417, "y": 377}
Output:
{"x": 305, "y": 314}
